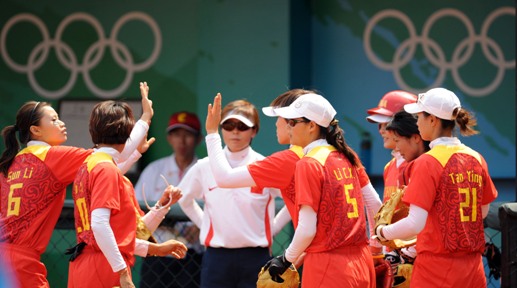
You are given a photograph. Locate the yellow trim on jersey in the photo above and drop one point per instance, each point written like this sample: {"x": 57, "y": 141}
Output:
{"x": 97, "y": 158}
{"x": 443, "y": 153}
{"x": 321, "y": 153}
{"x": 297, "y": 150}
{"x": 389, "y": 163}
{"x": 39, "y": 151}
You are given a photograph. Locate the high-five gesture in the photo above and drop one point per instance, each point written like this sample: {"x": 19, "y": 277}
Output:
{"x": 213, "y": 117}
{"x": 147, "y": 105}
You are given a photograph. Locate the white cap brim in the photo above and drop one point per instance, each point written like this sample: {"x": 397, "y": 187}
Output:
{"x": 240, "y": 118}
{"x": 378, "y": 118}
{"x": 413, "y": 108}
{"x": 288, "y": 112}
{"x": 269, "y": 111}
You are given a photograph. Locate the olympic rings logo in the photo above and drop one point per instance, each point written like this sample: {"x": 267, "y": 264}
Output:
{"x": 92, "y": 56}
{"x": 462, "y": 53}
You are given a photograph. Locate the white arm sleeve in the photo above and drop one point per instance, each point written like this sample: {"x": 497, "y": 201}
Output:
{"x": 124, "y": 166}
{"x": 138, "y": 134}
{"x": 224, "y": 174}
{"x": 304, "y": 233}
{"x": 106, "y": 239}
{"x": 372, "y": 203}
{"x": 153, "y": 218}
{"x": 407, "y": 227}
{"x": 281, "y": 219}
{"x": 141, "y": 247}
{"x": 190, "y": 186}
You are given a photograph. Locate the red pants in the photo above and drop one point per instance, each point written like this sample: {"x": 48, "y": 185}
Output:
{"x": 25, "y": 263}
{"x": 450, "y": 270}
{"x": 91, "y": 269}
{"x": 339, "y": 268}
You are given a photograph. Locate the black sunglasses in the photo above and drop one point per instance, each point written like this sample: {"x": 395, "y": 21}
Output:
{"x": 293, "y": 122}
{"x": 230, "y": 125}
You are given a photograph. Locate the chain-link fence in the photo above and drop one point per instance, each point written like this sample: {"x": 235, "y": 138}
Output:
{"x": 169, "y": 272}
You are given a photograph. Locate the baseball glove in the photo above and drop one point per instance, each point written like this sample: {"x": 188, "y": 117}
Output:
{"x": 403, "y": 276}
{"x": 290, "y": 279}
{"x": 390, "y": 212}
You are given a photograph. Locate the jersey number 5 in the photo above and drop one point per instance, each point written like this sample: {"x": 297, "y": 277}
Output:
{"x": 470, "y": 201}
{"x": 351, "y": 201}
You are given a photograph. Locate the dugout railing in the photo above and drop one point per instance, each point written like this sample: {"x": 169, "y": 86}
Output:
{"x": 63, "y": 237}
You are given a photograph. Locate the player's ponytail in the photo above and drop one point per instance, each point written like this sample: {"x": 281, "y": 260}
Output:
{"x": 335, "y": 136}
{"x": 29, "y": 114}
{"x": 466, "y": 121}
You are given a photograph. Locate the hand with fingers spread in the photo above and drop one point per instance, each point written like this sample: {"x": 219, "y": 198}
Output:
{"x": 147, "y": 105}
{"x": 213, "y": 117}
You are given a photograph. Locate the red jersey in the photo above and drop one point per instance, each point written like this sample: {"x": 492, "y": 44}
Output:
{"x": 326, "y": 181}
{"x": 391, "y": 178}
{"x": 277, "y": 171}
{"x": 100, "y": 184}
{"x": 33, "y": 193}
{"x": 451, "y": 183}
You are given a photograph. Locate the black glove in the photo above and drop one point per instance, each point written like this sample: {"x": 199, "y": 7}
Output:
{"x": 75, "y": 251}
{"x": 277, "y": 267}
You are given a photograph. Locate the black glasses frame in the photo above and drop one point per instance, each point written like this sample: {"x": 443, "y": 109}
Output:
{"x": 293, "y": 122}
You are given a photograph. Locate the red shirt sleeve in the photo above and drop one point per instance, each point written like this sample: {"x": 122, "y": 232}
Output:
{"x": 276, "y": 170}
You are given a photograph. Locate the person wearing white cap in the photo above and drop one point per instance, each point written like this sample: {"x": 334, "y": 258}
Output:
{"x": 235, "y": 223}
{"x": 331, "y": 213}
{"x": 449, "y": 195}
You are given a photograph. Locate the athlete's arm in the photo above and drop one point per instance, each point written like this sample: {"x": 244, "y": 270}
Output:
{"x": 407, "y": 227}
{"x": 281, "y": 219}
{"x": 484, "y": 210}
{"x": 303, "y": 234}
{"x": 191, "y": 188}
{"x": 224, "y": 174}
{"x": 106, "y": 239}
{"x": 372, "y": 202}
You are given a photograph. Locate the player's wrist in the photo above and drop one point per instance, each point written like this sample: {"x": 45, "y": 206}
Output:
{"x": 123, "y": 272}
{"x": 378, "y": 232}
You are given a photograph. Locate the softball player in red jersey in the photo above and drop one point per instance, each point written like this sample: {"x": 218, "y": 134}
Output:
{"x": 99, "y": 184}
{"x": 390, "y": 103}
{"x": 449, "y": 195}
{"x": 331, "y": 219}
{"x": 33, "y": 183}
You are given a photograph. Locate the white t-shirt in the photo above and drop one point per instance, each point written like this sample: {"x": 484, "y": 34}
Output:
{"x": 230, "y": 218}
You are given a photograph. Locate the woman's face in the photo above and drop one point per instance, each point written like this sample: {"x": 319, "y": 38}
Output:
{"x": 282, "y": 132}
{"x": 49, "y": 129}
{"x": 300, "y": 132}
{"x": 387, "y": 136}
{"x": 237, "y": 139}
{"x": 409, "y": 148}
{"x": 424, "y": 126}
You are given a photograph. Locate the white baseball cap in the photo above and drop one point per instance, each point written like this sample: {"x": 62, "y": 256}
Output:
{"x": 269, "y": 111}
{"x": 439, "y": 102}
{"x": 311, "y": 106}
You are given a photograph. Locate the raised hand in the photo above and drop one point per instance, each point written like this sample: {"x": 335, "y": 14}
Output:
{"x": 213, "y": 117}
{"x": 147, "y": 105}
{"x": 145, "y": 144}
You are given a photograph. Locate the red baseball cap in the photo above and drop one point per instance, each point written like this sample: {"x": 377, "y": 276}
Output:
{"x": 391, "y": 103}
{"x": 186, "y": 120}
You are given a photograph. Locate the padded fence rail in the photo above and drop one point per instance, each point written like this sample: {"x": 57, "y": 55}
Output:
{"x": 502, "y": 236}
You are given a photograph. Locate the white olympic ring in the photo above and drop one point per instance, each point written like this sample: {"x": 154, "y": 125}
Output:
{"x": 92, "y": 57}
{"x": 406, "y": 49}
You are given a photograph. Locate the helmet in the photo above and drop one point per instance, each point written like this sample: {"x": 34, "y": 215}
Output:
{"x": 390, "y": 103}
